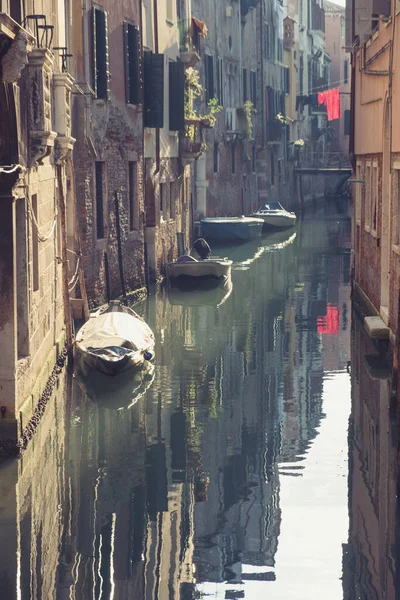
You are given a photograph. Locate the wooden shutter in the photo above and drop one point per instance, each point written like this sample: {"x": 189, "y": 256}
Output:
{"x": 347, "y": 122}
{"x": 153, "y": 76}
{"x": 132, "y": 63}
{"x": 176, "y": 96}
{"x": 94, "y": 54}
{"x": 209, "y": 69}
{"x": 100, "y": 61}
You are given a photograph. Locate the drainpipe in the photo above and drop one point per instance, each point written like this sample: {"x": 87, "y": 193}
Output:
{"x": 155, "y": 13}
{"x": 86, "y": 67}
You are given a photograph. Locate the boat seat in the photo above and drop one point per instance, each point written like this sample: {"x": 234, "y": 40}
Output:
{"x": 186, "y": 258}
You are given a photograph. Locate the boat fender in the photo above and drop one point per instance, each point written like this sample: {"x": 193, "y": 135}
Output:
{"x": 148, "y": 355}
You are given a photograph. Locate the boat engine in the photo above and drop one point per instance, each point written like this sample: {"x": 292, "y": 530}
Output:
{"x": 202, "y": 248}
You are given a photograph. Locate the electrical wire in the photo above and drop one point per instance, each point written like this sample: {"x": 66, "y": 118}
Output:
{"x": 72, "y": 283}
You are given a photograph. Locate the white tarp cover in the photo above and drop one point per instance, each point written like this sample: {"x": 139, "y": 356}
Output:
{"x": 115, "y": 329}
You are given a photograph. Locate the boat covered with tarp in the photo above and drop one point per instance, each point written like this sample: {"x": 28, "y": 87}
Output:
{"x": 115, "y": 339}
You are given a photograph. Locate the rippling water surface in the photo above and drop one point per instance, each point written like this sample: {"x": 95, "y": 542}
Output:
{"x": 224, "y": 473}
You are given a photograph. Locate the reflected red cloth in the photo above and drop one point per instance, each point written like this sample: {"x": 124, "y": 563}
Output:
{"x": 329, "y": 325}
{"x": 331, "y": 99}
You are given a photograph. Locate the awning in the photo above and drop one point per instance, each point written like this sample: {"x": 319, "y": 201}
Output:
{"x": 200, "y": 26}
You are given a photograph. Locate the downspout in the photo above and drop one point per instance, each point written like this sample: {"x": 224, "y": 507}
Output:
{"x": 86, "y": 67}
{"x": 262, "y": 42}
{"x": 144, "y": 174}
{"x": 155, "y": 12}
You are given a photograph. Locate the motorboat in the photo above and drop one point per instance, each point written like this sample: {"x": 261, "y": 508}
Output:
{"x": 274, "y": 215}
{"x": 115, "y": 339}
{"x": 188, "y": 270}
{"x": 231, "y": 229}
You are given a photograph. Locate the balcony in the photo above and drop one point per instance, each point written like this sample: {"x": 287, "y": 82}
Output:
{"x": 190, "y": 33}
{"x": 191, "y": 143}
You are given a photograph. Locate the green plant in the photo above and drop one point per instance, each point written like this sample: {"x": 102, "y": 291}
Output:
{"x": 283, "y": 120}
{"x": 249, "y": 111}
{"x": 298, "y": 143}
{"x": 195, "y": 91}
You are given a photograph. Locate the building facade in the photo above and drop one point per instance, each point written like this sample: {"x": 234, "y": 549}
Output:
{"x": 37, "y": 224}
{"x": 375, "y": 151}
{"x": 340, "y": 73}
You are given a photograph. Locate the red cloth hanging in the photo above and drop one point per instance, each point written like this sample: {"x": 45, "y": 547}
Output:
{"x": 331, "y": 99}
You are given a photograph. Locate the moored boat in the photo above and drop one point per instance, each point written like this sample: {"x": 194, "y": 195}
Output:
{"x": 274, "y": 215}
{"x": 188, "y": 270}
{"x": 115, "y": 339}
{"x": 231, "y": 229}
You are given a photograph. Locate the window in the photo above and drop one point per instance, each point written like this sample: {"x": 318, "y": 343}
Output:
{"x": 162, "y": 198}
{"x": 153, "y": 81}
{"x": 132, "y": 194}
{"x": 132, "y": 65}
{"x": 233, "y": 158}
{"x": 216, "y": 157}
{"x": 244, "y": 81}
{"x": 176, "y": 96}
{"x": 286, "y": 80}
{"x": 172, "y": 200}
{"x": 35, "y": 244}
{"x": 347, "y": 122}
{"x": 209, "y": 72}
{"x": 272, "y": 169}
{"x": 374, "y": 198}
{"x": 266, "y": 40}
{"x": 220, "y": 82}
{"x": 100, "y": 64}
{"x": 368, "y": 197}
{"x": 99, "y": 182}
{"x": 346, "y": 71}
{"x": 253, "y": 87}
{"x": 358, "y": 193}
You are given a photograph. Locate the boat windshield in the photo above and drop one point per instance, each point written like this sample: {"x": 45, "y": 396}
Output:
{"x": 271, "y": 206}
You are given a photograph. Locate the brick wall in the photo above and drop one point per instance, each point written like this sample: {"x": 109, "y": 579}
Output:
{"x": 117, "y": 140}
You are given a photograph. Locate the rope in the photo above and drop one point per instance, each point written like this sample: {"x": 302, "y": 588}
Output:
{"x": 10, "y": 169}
{"x": 75, "y": 277}
{"x": 42, "y": 237}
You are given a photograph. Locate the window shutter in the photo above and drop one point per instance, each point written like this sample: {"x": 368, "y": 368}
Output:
{"x": 100, "y": 62}
{"x": 176, "y": 96}
{"x": 153, "y": 76}
{"x": 209, "y": 65}
{"x": 94, "y": 53}
{"x": 132, "y": 63}
{"x": 346, "y": 122}
{"x": 244, "y": 85}
{"x": 106, "y": 77}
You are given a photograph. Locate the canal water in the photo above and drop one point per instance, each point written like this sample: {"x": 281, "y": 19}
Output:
{"x": 232, "y": 468}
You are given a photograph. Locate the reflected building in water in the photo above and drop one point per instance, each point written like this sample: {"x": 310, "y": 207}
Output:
{"x": 182, "y": 487}
{"x": 370, "y": 559}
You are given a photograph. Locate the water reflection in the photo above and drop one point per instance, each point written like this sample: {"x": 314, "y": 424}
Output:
{"x": 371, "y": 556}
{"x": 188, "y": 490}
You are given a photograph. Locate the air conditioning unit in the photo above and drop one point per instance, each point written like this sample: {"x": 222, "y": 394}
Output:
{"x": 228, "y": 12}
{"x": 230, "y": 122}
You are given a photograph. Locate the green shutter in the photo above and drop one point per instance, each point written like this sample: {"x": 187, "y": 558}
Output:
{"x": 101, "y": 67}
{"x": 176, "y": 96}
{"x": 132, "y": 63}
{"x": 153, "y": 77}
{"x": 94, "y": 54}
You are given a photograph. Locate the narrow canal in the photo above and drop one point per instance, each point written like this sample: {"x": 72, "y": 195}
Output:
{"x": 226, "y": 475}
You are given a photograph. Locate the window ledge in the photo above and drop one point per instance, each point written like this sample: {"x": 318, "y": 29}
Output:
{"x": 367, "y": 228}
{"x": 135, "y": 235}
{"x": 396, "y": 249}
